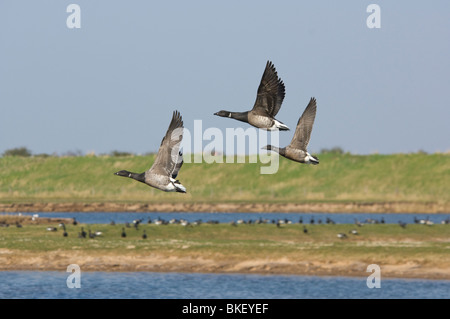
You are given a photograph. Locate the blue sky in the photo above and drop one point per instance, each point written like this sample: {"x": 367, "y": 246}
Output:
{"x": 114, "y": 83}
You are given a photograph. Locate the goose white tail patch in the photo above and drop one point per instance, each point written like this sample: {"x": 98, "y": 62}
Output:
{"x": 277, "y": 125}
{"x": 175, "y": 185}
{"x": 310, "y": 159}
{"x": 181, "y": 187}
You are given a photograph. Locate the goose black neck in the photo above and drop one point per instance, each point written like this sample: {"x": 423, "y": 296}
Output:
{"x": 240, "y": 116}
{"x": 139, "y": 177}
{"x": 281, "y": 151}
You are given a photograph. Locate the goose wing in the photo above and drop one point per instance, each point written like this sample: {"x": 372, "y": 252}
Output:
{"x": 271, "y": 92}
{"x": 178, "y": 165}
{"x": 304, "y": 126}
{"x": 169, "y": 160}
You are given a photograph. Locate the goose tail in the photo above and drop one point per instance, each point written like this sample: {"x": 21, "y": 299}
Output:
{"x": 180, "y": 188}
{"x": 175, "y": 186}
{"x": 279, "y": 126}
{"x": 311, "y": 159}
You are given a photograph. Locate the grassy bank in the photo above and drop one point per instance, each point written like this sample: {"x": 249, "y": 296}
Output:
{"x": 415, "y": 251}
{"x": 414, "y": 178}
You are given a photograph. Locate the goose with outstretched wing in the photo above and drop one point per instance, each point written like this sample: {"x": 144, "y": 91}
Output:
{"x": 297, "y": 149}
{"x": 270, "y": 95}
{"x": 162, "y": 175}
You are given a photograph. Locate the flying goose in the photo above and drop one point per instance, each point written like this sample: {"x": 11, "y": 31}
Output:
{"x": 296, "y": 150}
{"x": 268, "y": 102}
{"x": 168, "y": 161}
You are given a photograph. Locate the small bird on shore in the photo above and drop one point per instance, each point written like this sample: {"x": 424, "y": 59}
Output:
{"x": 297, "y": 149}
{"x": 271, "y": 92}
{"x": 144, "y": 235}
{"x": 123, "y": 234}
{"x": 341, "y": 235}
{"x": 305, "y": 231}
{"x": 65, "y": 232}
{"x": 162, "y": 174}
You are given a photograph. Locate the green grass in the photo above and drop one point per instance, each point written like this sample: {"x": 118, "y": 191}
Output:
{"x": 374, "y": 241}
{"x": 338, "y": 178}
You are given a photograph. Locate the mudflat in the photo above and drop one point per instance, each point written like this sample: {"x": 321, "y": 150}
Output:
{"x": 154, "y": 262}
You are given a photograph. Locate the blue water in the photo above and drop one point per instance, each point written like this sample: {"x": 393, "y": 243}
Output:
{"x": 146, "y": 285}
{"x": 341, "y": 218}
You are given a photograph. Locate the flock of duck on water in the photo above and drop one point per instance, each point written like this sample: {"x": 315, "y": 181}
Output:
{"x": 271, "y": 91}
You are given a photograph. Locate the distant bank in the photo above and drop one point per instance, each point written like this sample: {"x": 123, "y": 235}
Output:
{"x": 388, "y": 207}
{"x": 397, "y": 183}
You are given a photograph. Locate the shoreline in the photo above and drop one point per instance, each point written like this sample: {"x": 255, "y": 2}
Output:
{"x": 59, "y": 260}
{"x": 321, "y": 207}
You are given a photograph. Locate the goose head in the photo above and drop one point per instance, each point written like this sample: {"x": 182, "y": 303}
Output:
{"x": 123, "y": 173}
{"x": 223, "y": 113}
